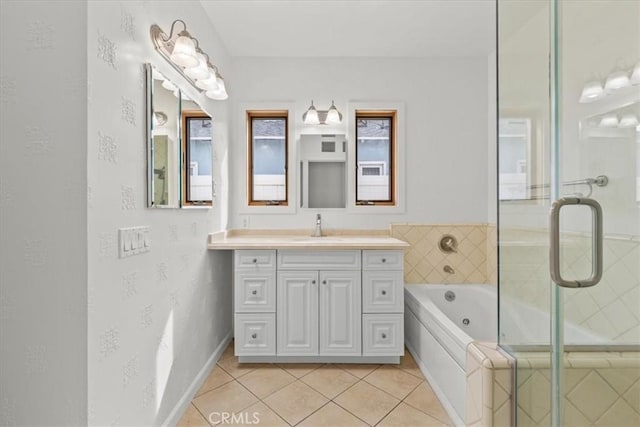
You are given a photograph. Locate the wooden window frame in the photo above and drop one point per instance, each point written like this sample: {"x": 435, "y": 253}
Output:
{"x": 392, "y": 115}
{"x": 267, "y": 114}
{"x": 186, "y": 156}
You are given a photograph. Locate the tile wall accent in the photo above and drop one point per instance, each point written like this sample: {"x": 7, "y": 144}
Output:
{"x": 489, "y": 379}
{"x": 600, "y": 388}
{"x": 609, "y": 309}
{"x": 424, "y": 262}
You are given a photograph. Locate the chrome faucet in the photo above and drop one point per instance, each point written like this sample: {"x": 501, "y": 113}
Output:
{"x": 318, "y": 231}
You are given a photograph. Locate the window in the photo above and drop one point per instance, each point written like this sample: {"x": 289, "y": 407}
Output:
{"x": 516, "y": 174}
{"x": 267, "y": 157}
{"x": 375, "y": 157}
{"x": 197, "y": 188}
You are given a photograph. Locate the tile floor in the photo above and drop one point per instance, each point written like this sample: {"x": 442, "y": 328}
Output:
{"x": 315, "y": 395}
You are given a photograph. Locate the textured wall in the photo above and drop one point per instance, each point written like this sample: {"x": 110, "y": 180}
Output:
{"x": 43, "y": 218}
{"x": 154, "y": 319}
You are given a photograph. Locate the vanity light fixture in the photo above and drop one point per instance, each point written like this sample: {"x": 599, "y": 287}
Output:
{"x": 609, "y": 121}
{"x": 322, "y": 117}
{"x": 591, "y": 92}
{"x": 616, "y": 81}
{"x": 183, "y": 52}
{"x": 628, "y": 121}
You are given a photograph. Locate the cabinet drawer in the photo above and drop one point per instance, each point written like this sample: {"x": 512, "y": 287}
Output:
{"x": 255, "y": 291}
{"x": 255, "y": 334}
{"x": 254, "y": 259}
{"x": 382, "y": 260}
{"x": 382, "y": 291}
{"x": 318, "y": 260}
{"x": 383, "y": 334}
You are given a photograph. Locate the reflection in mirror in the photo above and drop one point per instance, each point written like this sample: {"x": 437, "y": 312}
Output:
{"x": 197, "y": 148}
{"x": 163, "y": 110}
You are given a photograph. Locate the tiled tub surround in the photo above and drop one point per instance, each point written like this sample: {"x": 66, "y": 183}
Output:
{"x": 474, "y": 262}
{"x": 609, "y": 309}
{"x": 600, "y": 388}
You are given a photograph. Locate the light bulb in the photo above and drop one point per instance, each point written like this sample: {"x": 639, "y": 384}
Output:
{"x": 208, "y": 83}
{"x": 591, "y": 92}
{"x": 616, "y": 81}
{"x": 333, "y": 115}
{"x": 219, "y": 94}
{"x": 311, "y": 116}
{"x": 200, "y": 71}
{"x": 628, "y": 121}
{"x": 184, "y": 51}
{"x": 609, "y": 121}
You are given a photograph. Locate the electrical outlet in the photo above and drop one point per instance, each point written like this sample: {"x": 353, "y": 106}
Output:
{"x": 245, "y": 221}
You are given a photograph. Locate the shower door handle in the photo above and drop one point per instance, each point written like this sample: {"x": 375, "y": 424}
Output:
{"x": 554, "y": 251}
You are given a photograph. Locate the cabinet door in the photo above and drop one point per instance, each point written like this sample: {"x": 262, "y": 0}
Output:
{"x": 297, "y": 313}
{"x": 340, "y": 313}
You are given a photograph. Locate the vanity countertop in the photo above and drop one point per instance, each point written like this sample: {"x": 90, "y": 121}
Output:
{"x": 302, "y": 239}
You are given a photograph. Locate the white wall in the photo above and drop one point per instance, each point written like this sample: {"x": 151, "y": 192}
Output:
{"x": 43, "y": 214}
{"x": 446, "y": 130}
{"x": 154, "y": 319}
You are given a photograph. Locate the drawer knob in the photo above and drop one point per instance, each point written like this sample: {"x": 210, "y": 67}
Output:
{"x": 324, "y": 282}
{"x": 254, "y": 292}
{"x": 384, "y": 260}
{"x": 254, "y": 336}
{"x": 255, "y": 260}
{"x": 313, "y": 282}
{"x": 383, "y": 292}
{"x": 384, "y": 336}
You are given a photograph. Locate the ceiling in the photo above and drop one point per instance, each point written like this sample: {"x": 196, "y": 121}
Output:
{"x": 354, "y": 28}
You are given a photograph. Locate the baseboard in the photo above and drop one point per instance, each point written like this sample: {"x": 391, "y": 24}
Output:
{"x": 188, "y": 395}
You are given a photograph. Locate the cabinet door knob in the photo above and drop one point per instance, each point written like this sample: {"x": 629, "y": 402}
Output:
{"x": 254, "y": 336}
{"x": 313, "y": 282}
{"x": 324, "y": 282}
{"x": 383, "y": 292}
{"x": 384, "y": 336}
{"x": 384, "y": 260}
{"x": 255, "y": 292}
{"x": 255, "y": 260}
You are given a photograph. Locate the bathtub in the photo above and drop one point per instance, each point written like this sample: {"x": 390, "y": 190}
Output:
{"x": 438, "y": 330}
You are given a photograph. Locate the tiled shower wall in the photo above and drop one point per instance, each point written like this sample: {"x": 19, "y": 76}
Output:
{"x": 609, "y": 309}
{"x": 424, "y": 262}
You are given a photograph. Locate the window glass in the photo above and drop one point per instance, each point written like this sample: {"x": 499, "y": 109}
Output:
{"x": 374, "y": 156}
{"x": 268, "y": 156}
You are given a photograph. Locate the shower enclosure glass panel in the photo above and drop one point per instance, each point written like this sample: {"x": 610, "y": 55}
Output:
{"x": 567, "y": 66}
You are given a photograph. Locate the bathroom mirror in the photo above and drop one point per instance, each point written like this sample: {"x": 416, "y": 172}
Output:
{"x": 197, "y": 155}
{"x": 163, "y": 141}
{"x": 323, "y": 171}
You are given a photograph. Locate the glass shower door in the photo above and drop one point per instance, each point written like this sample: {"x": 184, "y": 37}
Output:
{"x": 568, "y": 136}
{"x": 595, "y": 306}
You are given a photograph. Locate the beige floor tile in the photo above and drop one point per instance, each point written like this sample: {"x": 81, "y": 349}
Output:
{"x": 299, "y": 370}
{"x": 231, "y": 397}
{"x": 359, "y": 371}
{"x": 264, "y": 381}
{"x": 409, "y": 365}
{"x": 192, "y": 418}
{"x": 295, "y": 402}
{"x": 366, "y": 402}
{"x": 216, "y": 378}
{"x": 331, "y": 415}
{"x": 405, "y": 415}
{"x": 329, "y": 380}
{"x": 394, "y": 381}
{"x": 424, "y": 399}
{"x": 228, "y": 352}
{"x": 235, "y": 369}
{"x": 260, "y": 415}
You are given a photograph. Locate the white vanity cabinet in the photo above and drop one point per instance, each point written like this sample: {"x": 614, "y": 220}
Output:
{"x": 319, "y": 305}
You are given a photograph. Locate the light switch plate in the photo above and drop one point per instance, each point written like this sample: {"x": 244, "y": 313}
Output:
{"x": 133, "y": 241}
